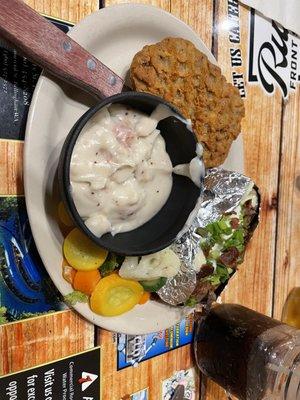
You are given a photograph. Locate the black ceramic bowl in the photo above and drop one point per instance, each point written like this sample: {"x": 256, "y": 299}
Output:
{"x": 162, "y": 229}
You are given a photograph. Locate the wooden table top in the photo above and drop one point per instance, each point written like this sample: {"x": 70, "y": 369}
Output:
{"x": 271, "y": 267}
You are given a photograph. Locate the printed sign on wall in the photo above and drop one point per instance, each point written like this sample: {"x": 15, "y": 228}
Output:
{"x": 73, "y": 378}
{"x": 274, "y": 59}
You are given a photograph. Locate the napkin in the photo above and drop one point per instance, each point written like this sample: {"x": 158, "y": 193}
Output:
{"x": 286, "y": 12}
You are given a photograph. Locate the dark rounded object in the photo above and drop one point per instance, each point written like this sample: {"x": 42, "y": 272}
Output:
{"x": 162, "y": 229}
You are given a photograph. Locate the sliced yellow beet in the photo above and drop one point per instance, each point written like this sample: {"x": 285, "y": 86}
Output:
{"x": 81, "y": 253}
{"x": 63, "y": 215}
{"x": 115, "y": 296}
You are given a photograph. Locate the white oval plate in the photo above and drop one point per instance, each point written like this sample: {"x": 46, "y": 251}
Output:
{"x": 114, "y": 35}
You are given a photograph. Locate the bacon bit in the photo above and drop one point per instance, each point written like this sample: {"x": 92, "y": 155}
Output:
{"x": 202, "y": 289}
{"x": 205, "y": 270}
{"x": 230, "y": 257}
{"x": 234, "y": 223}
{"x": 124, "y": 134}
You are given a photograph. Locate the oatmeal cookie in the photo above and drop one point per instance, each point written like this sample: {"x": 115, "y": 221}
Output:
{"x": 175, "y": 70}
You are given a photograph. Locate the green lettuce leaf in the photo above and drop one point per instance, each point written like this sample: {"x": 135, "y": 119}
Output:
{"x": 76, "y": 297}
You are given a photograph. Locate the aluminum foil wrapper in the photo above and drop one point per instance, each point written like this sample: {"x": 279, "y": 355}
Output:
{"x": 222, "y": 193}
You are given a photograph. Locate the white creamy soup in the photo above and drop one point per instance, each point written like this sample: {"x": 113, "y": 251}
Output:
{"x": 121, "y": 173}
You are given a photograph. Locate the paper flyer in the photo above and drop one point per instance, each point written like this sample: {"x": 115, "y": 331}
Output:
{"x": 187, "y": 378}
{"x": 134, "y": 349}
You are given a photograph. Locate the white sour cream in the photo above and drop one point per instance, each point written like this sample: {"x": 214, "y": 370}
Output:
{"x": 121, "y": 173}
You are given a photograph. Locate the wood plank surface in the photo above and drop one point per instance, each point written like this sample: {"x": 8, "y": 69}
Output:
{"x": 287, "y": 272}
{"x": 43, "y": 339}
{"x": 68, "y": 10}
{"x": 193, "y": 13}
{"x": 11, "y": 167}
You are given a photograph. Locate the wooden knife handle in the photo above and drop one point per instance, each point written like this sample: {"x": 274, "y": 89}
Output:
{"x": 53, "y": 50}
